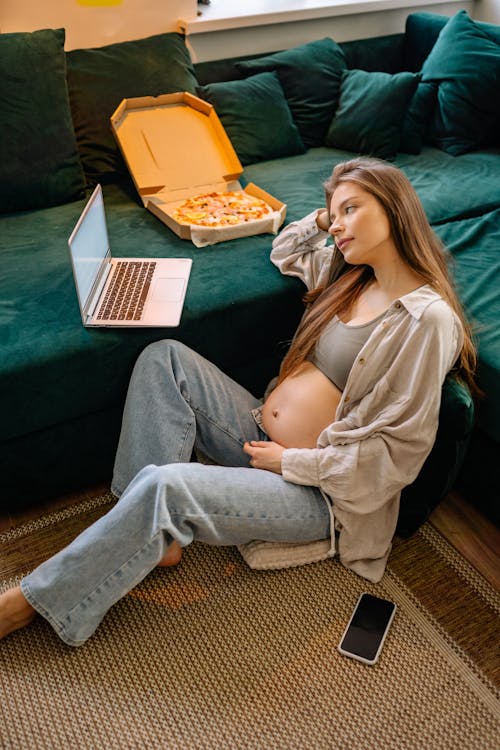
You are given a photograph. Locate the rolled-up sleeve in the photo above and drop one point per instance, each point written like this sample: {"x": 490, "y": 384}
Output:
{"x": 300, "y": 250}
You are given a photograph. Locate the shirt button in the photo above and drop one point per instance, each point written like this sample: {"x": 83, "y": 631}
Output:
{"x": 347, "y": 399}
{"x": 397, "y": 305}
{"x": 361, "y": 360}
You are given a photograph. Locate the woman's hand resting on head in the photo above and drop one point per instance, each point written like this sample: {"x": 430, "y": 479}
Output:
{"x": 323, "y": 219}
{"x": 264, "y": 454}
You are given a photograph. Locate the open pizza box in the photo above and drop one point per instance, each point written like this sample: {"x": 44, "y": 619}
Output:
{"x": 175, "y": 147}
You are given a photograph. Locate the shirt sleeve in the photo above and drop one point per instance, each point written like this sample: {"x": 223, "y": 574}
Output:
{"x": 301, "y": 250}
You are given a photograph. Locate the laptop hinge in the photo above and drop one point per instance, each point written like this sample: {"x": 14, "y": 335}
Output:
{"x": 97, "y": 288}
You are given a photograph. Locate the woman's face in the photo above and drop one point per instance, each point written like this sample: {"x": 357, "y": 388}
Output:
{"x": 360, "y": 226}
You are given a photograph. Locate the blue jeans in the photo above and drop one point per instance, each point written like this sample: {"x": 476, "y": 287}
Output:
{"x": 177, "y": 403}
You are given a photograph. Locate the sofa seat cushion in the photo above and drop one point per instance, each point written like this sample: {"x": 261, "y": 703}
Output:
{"x": 453, "y": 187}
{"x": 100, "y": 78}
{"x": 449, "y": 187}
{"x": 39, "y": 162}
{"x": 54, "y": 370}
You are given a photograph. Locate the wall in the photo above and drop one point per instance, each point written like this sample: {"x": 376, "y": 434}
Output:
{"x": 343, "y": 21}
{"x": 98, "y": 22}
{"x": 487, "y": 10}
{"x": 91, "y": 23}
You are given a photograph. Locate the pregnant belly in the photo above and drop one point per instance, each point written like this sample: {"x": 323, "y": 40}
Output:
{"x": 300, "y": 408}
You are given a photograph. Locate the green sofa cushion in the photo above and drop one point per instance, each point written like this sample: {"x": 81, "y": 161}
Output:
{"x": 418, "y": 118}
{"x": 452, "y": 187}
{"x": 256, "y": 117}
{"x": 100, "y": 78}
{"x": 465, "y": 62}
{"x": 39, "y": 162}
{"x": 310, "y": 75}
{"x": 371, "y": 111}
{"x": 449, "y": 187}
{"x": 421, "y": 32}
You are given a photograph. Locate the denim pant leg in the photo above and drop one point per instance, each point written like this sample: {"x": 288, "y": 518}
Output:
{"x": 178, "y": 401}
{"x": 217, "y": 505}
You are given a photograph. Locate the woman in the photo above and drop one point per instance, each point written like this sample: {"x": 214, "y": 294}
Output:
{"x": 350, "y": 422}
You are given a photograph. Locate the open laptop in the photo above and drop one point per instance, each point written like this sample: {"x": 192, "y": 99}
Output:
{"x": 123, "y": 292}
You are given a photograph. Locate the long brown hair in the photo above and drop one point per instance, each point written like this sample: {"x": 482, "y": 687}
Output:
{"x": 416, "y": 244}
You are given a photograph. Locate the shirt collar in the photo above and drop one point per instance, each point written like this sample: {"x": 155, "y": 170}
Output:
{"x": 418, "y": 300}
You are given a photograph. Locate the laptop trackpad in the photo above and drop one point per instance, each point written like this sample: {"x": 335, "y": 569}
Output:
{"x": 167, "y": 290}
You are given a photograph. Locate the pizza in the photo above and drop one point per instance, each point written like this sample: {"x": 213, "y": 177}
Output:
{"x": 221, "y": 209}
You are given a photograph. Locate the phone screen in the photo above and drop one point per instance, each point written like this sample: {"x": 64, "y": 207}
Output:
{"x": 366, "y": 631}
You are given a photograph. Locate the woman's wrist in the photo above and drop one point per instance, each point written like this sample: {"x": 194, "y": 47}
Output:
{"x": 323, "y": 219}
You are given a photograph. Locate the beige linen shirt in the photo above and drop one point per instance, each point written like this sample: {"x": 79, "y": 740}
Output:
{"x": 387, "y": 419}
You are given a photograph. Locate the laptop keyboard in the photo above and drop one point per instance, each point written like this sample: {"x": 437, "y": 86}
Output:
{"x": 127, "y": 292}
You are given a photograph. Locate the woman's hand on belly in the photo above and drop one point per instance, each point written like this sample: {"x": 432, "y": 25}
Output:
{"x": 264, "y": 455}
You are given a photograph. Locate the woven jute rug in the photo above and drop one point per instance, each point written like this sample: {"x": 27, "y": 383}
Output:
{"x": 214, "y": 655}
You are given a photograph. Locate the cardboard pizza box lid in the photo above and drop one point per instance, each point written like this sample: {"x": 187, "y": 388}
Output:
{"x": 175, "y": 147}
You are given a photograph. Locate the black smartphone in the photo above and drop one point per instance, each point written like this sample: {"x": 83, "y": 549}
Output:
{"x": 365, "y": 633}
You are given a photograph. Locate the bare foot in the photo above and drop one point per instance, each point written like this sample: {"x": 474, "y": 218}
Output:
{"x": 172, "y": 556}
{"x": 15, "y": 611}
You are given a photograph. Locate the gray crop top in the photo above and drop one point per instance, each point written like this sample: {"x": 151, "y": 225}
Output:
{"x": 338, "y": 347}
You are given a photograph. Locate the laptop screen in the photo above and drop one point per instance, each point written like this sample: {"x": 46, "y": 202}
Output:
{"x": 89, "y": 245}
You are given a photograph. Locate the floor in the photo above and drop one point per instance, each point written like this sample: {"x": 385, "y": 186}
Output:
{"x": 471, "y": 533}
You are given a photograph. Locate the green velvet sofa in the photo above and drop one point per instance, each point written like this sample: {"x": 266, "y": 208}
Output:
{"x": 291, "y": 116}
